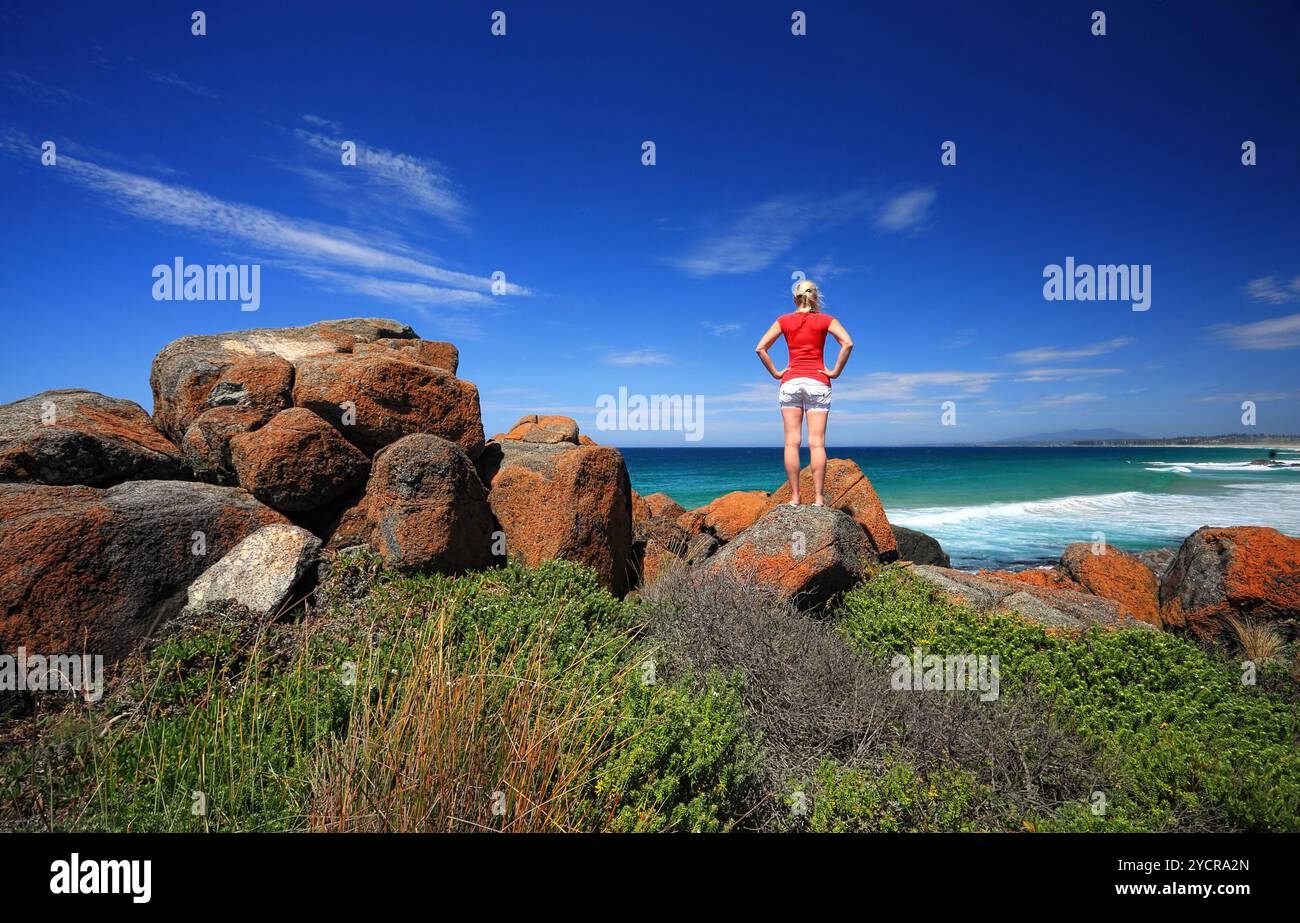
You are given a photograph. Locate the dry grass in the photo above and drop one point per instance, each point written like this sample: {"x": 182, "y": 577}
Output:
{"x": 1260, "y": 642}
{"x": 494, "y": 743}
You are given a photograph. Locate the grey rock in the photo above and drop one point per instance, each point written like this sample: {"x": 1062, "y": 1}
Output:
{"x": 259, "y": 573}
{"x": 89, "y": 439}
{"x": 1054, "y": 608}
{"x": 1157, "y": 560}
{"x": 919, "y": 548}
{"x": 806, "y": 553}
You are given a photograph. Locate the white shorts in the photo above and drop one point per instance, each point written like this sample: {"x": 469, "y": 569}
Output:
{"x": 808, "y": 394}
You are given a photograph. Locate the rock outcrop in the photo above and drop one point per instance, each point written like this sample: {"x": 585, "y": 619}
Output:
{"x": 72, "y": 436}
{"x": 919, "y": 548}
{"x": 365, "y": 434}
{"x": 92, "y": 570}
{"x": 847, "y": 488}
{"x": 807, "y": 553}
{"x": 426, "y": 509}
{"x": 188, "y": 371}
{"x": 1112, "y": 574}
{"x": 1247, "y": 570}
{"x": 559, "y": 500}
{"x": 259, "y": 573}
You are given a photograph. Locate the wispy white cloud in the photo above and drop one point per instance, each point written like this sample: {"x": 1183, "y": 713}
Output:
{"x": 322, "y": 122}
{"x": 911, "y": 387}
{"x": 901, "y": 388}
{"x": 167, "y": 78}
{"x": 1057, "y": 354}
{"x": 719, "y": 329}
{"x": 1259, "y": 396}
{"x": 402, "y": 181}
{"x": 826, "y": 268}
{"x": 907, "y": 212}
{"x": 1065, "y": 374}
{"x": 322, "y": 252}
{"x": 767, "y": 231}
{"x": 41, "y": 92}
{"x": 638, "y": 357}
{"x": 1269, "y": 289}
{"x": 1273, "y": 333}
{"x": 1066, "y": 400}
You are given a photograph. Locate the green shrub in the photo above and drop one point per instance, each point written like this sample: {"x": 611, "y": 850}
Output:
{"x": 1185, "y": 744}
{"x": 892, "y": 798}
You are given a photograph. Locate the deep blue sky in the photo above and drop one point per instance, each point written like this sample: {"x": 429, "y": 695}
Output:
{"x": 775, "y": 153}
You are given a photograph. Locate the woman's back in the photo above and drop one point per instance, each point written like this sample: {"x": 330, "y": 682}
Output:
{"x": 805, "y": 336}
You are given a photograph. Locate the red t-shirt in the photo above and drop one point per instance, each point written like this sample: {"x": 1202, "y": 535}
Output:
{"x": 805, "y": 336}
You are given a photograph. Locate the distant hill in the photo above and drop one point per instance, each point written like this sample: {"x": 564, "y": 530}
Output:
{"x": 1074, "y": 435}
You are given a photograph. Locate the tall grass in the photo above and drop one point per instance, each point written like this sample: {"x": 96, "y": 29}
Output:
{"x": 514, "y": 699}
{"x": 473, "y": 739}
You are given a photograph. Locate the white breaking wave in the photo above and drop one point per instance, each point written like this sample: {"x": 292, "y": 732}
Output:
{"x": 1172, "y": 469}
{"x": 1236, "y": 467}
{"x": 1036, "y": 530}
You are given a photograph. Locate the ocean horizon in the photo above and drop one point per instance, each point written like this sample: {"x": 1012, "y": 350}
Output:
{"x": 1017, "y": 506}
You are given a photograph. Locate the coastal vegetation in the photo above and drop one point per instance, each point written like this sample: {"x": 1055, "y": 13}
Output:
{"x": 532, "y": 699}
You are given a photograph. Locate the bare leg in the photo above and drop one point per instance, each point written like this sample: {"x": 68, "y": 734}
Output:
{"x": 817, "y": 449}
{"x": 792, "y": 417}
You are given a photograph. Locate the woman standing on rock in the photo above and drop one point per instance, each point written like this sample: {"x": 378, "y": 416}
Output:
{"x": 805, "y": 381}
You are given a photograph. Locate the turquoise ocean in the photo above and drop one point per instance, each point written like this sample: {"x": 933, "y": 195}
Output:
{"x": 1018, "y": 506}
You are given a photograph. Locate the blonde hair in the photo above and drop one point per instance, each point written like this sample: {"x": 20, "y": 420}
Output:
{"x": 807, "y": 295}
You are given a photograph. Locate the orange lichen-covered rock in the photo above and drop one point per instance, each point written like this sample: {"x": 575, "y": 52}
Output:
{"x": 426, "y": 507}
{"x": 807, "y": 553}
{"x": 95, "y": 571}
{"x": 190, "y": 372}
{"x": 1247, "y": 571}
{"x": 1054, "y": 607}
{"x": 1114, "y": 575}
{"x": 847, "y": 488}
{"x": 71, "y": 436}
{"x": 434, "y": 353}
{"x": 1048, "y": 578}
{"x": 659, "y": 544}
{"x": 663, "y": 505}
{"x": 640, "y": 510}
{"x": 546, "y": 429}
{"x": 559, "y": 500}
{"x": 728, "y": 515}
{"x": 297, "y": 461}
{"x": 206, "y": 446}
{"x": 377, "y": 399}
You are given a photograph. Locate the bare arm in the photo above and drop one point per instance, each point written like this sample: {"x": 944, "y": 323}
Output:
{"x": 846, "y": 346}
{"x": 768, "y": 339}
